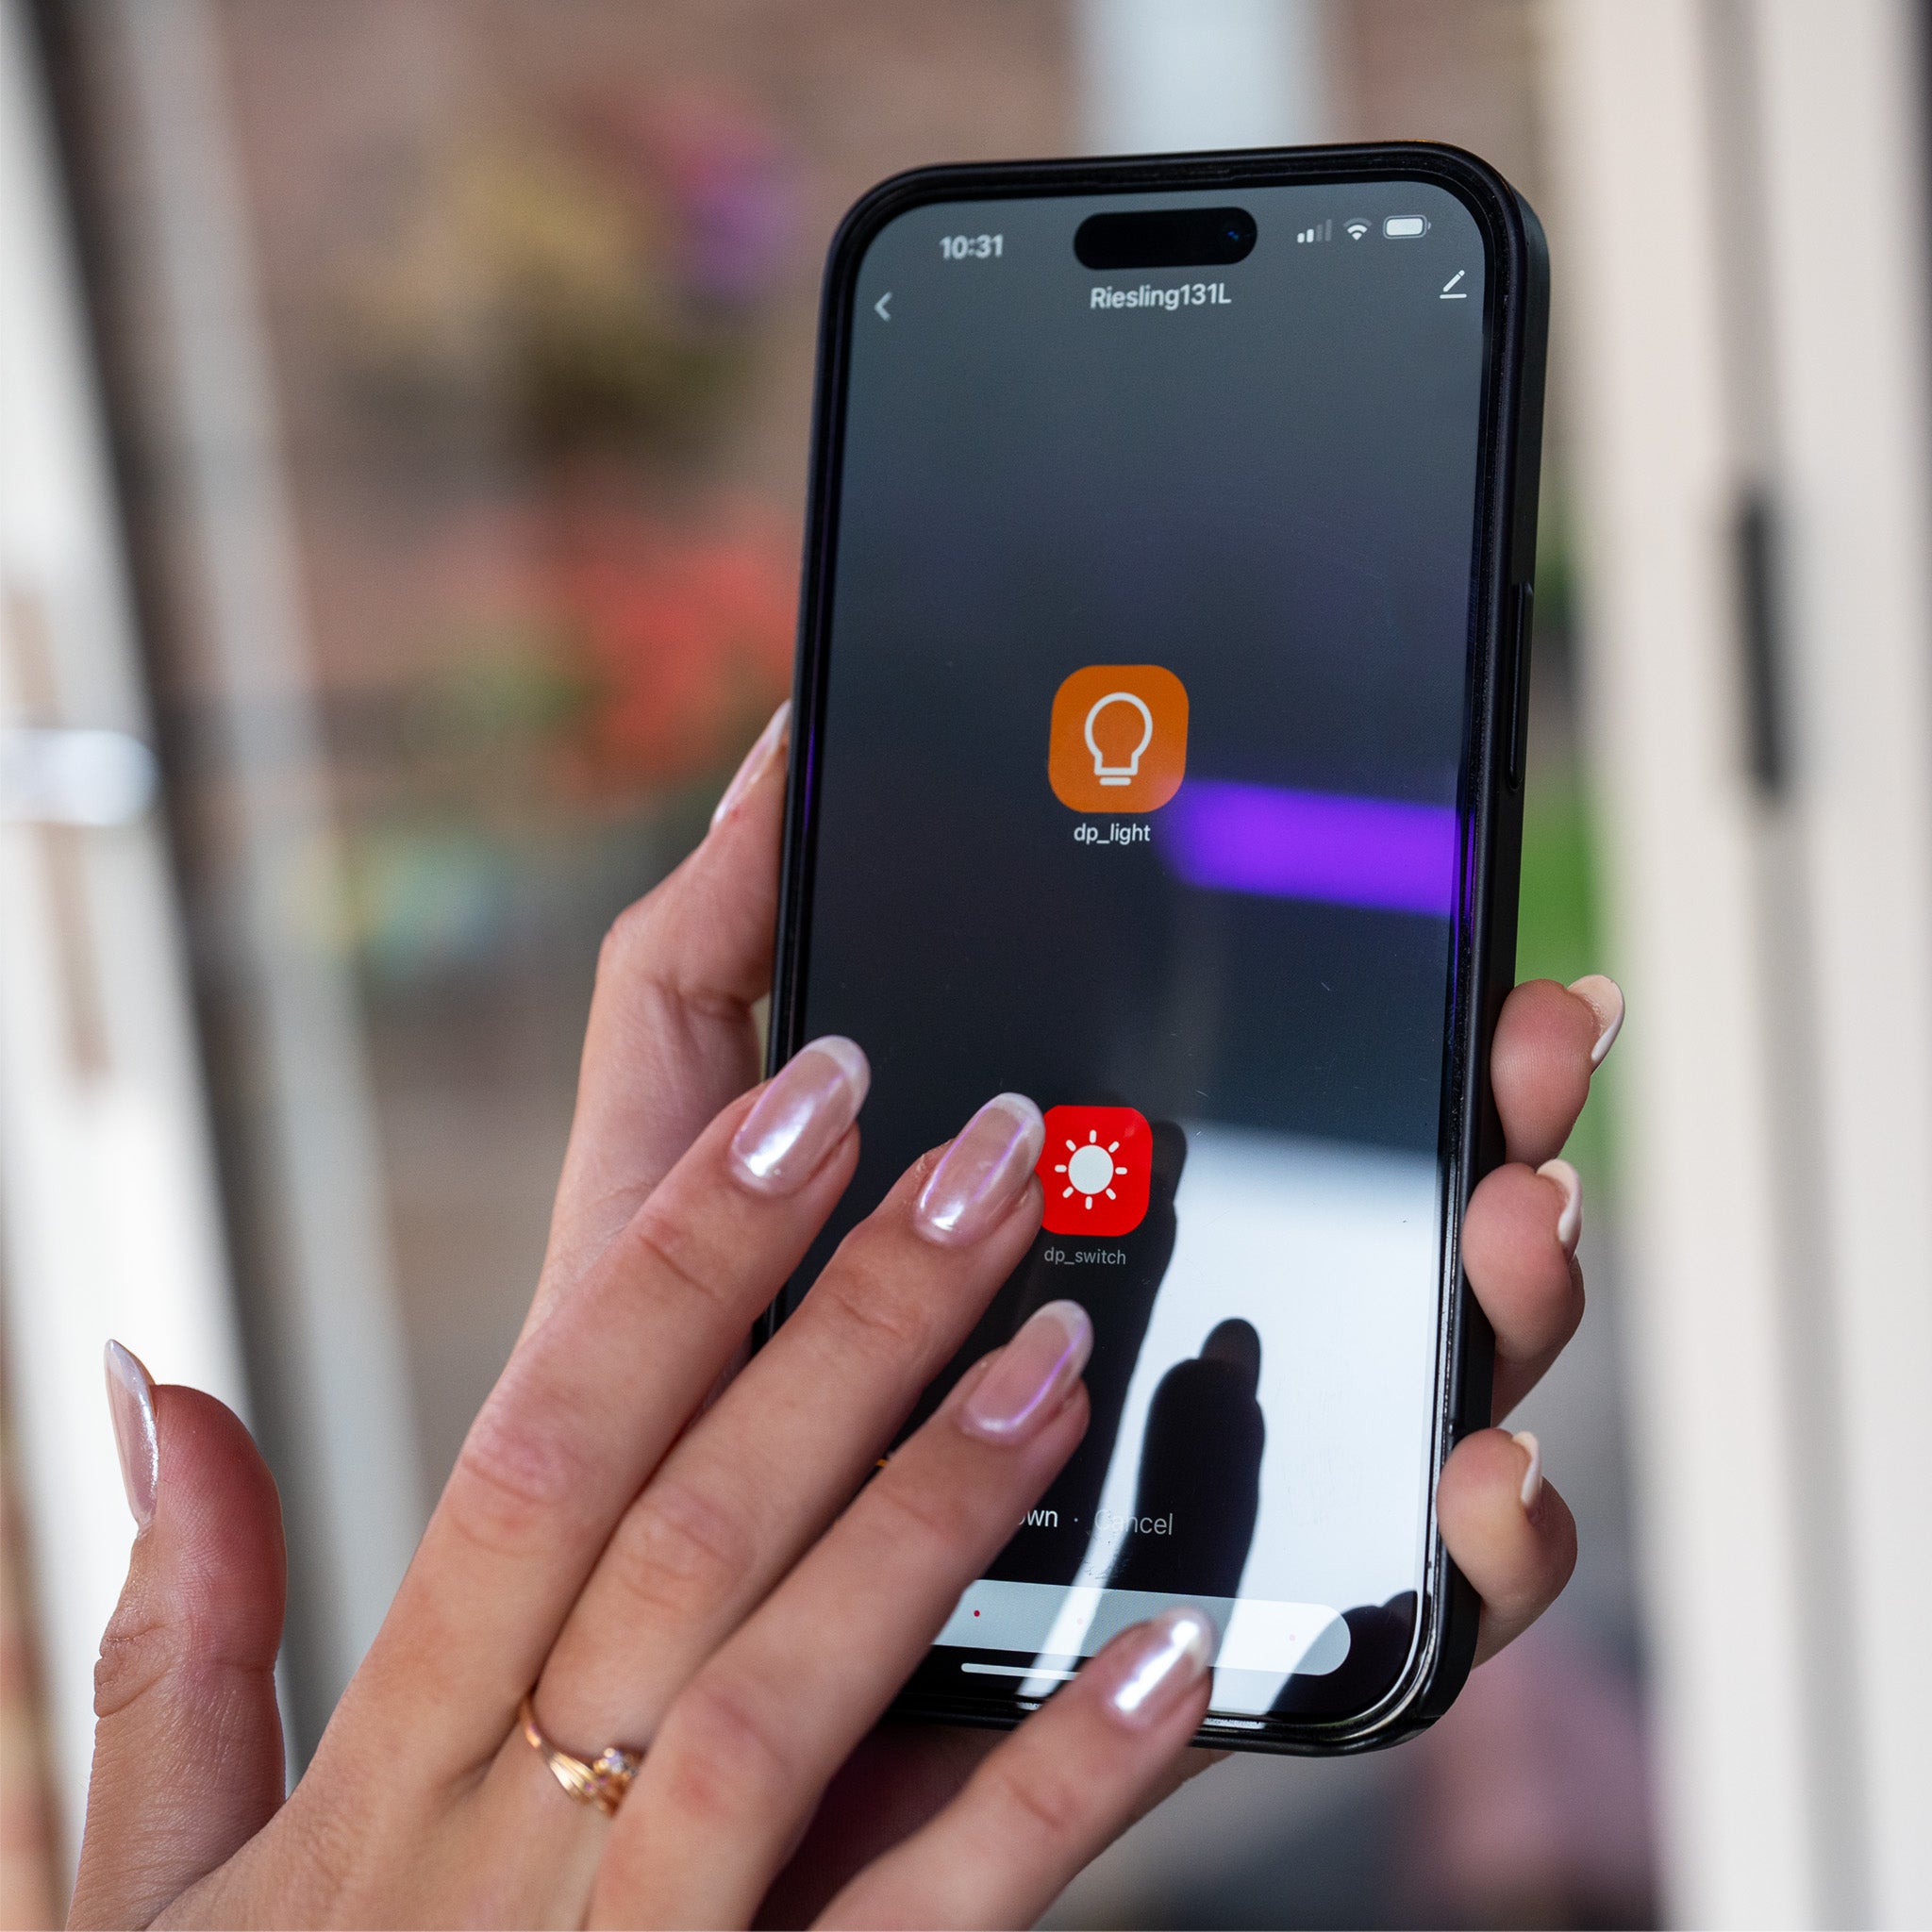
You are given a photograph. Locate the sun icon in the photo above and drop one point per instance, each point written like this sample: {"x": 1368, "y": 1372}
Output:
{"x": 1100, "y": 1185}
{"x": 1091, "y": 1168}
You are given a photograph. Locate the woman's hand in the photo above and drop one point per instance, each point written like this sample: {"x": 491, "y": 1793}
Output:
{"x": 721, "y": 1582}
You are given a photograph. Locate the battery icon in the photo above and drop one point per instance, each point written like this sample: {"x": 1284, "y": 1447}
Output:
{"x": 1405, "y": 227}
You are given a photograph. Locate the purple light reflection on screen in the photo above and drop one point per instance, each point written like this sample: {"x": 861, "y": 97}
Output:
{"x": 1374, "y": 852}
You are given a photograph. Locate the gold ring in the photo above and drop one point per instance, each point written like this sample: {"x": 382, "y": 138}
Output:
{"x": 601, "y": 1782}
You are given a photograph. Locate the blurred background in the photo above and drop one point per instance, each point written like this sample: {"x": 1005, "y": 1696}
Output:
{"x": 403, "y": 423}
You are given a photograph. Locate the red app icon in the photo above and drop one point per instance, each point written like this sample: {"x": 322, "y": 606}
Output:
{"x": 1097, "y": 1170}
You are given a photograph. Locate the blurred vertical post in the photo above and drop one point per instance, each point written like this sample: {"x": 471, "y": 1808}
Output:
{"x": 109, "y": 1220}
{"x": 334, "y": 1388}
{"x": 1741, "y": 299}
{"x": 1844, "y": 172}
{"x": 1163, "y": 75}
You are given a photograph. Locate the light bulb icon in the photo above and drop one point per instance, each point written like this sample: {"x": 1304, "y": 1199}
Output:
{"x": 1119, "y": 774}
{"x": 1117, "y": 740}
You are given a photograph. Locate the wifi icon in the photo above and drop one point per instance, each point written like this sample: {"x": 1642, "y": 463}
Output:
{"x": 1356, "y": 229}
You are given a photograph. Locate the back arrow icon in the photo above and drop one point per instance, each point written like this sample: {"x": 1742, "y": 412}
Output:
{"x": 881, "y": 306}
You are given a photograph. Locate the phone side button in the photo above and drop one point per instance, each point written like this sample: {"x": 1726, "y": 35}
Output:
{"x": 1519, "y": 682}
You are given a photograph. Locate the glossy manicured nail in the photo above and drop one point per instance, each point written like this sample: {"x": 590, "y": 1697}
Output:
{"x": 1569, "y": 1221}
{"x": 1031, "y": 1376}
{"x": 1174, "y": 1654}
{"x": 982, "y": 1174}
{"x": 802, "y": 1115}
{"x": 131, "y": 1404}
{"x": 756, "y": 760}
{"x": 1533, "y": 1475}
{"x": 1605, "y": 998}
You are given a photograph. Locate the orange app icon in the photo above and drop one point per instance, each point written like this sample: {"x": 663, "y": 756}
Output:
{"x": 1119, "y": 737}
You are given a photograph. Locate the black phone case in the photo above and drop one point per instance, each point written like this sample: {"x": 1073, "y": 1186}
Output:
{"x": 1516, "y": 333}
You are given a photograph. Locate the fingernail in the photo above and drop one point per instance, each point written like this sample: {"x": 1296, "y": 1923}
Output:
{"x": 1569, "y": 1221}
{"x": 982, "y": 1174}
{"x": 756, "y": 760}
{"x": 1532, "y": 1477}
{"x": 1173, "y": 1654}
{"x": 131, "y": 1402}
{"x": 802, "y": 1115}
{"x": 1031, "y": 1376}
{"x": 1605, "y": 998}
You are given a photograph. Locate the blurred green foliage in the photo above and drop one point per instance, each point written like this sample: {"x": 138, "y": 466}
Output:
{"x": 1557, "y": 925}
{"x": 1557, "y": 932}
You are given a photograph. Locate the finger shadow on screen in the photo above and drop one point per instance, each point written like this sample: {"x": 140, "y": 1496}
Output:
{"x": 1199, "y": 1490}
{"x": 1121, "y": 1302}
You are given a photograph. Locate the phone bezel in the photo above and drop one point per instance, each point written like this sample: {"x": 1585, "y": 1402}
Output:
{"x": 1508, "y": 456}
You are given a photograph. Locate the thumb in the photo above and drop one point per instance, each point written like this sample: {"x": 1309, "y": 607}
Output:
{"x": 188, "y": 1746}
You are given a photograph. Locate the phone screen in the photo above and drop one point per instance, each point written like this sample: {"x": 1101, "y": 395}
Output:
{"x": 1139, "y": 788}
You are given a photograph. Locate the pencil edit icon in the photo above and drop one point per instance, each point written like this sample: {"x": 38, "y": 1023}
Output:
{"x": 1118, "y": 739}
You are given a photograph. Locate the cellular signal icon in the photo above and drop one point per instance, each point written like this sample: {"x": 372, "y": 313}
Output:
{"x": 1322, "y": 231}
{"x": 1356, "y": 229}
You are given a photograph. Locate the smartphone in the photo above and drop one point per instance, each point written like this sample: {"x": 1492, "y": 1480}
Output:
{"x": 1157, "y": 752}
